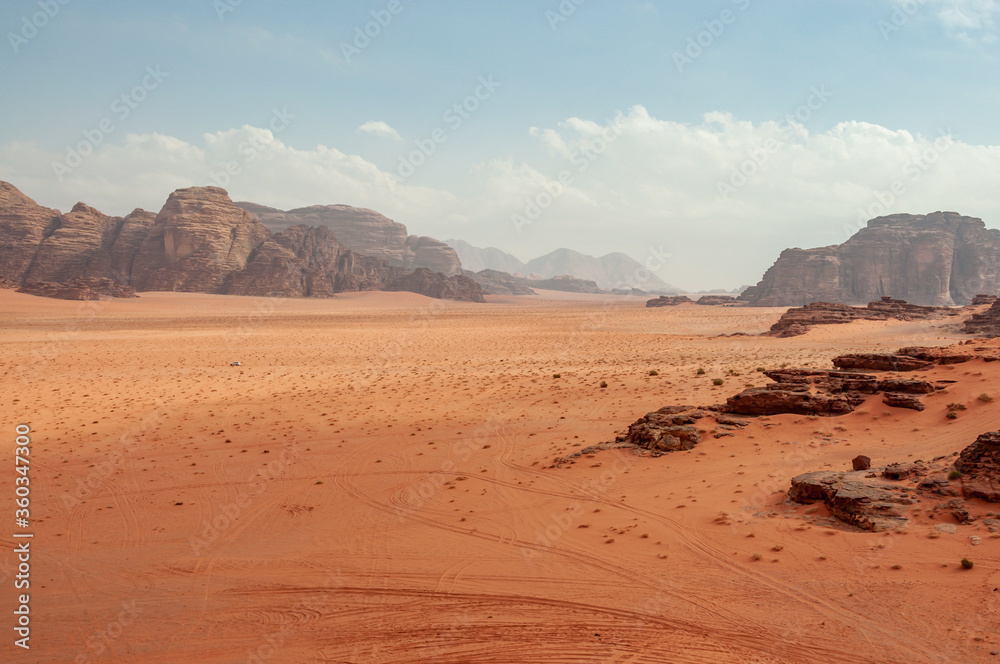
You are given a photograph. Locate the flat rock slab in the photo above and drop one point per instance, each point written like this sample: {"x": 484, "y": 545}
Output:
{"x": 867, "y": 502}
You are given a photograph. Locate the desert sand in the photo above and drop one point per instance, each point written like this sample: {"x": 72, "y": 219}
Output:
{"x": 375, "y": 485}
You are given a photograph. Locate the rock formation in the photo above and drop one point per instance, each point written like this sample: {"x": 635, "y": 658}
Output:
{"x": 199, "y": 242}
{"x": 565, "y": 283}
{"x": 799, "y": 320}
{"x": 979, "y": 464}
{"x": 855, "y": 498}
{"x": 494, "y": 282}
{"x": 939, "y": 259}
{"x": 366, "y": 232}
{"x": 716, "y": 300}
{"x": 668, "y": 301}
{"x": 880, "y": 362}
{"x": 985, "y": 324}
{"x": 81, "y": 288}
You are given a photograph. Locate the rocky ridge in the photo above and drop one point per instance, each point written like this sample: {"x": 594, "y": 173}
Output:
{"x": 198, "y": 242}
{"x": 365, "y": 232}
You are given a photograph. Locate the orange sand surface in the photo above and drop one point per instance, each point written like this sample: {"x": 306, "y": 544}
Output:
{"x": 375, "y": 485}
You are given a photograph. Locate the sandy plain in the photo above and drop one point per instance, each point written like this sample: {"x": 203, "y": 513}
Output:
{"x": 375, "y": 485}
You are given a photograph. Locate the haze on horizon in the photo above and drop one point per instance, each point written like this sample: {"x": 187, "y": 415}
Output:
{"x": 717, "y": 132}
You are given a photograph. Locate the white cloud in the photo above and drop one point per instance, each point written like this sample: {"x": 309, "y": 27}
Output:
{"x": 379, "y": 128}
{"x": 968, "y": 20}
{"x": 626, "y": 186}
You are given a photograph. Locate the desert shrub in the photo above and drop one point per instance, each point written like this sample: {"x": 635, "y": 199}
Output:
{"x": 985, "y": 398}
{"x": 557, "y": 375}
{"x": 717, "y": 381}
{"x": 957, "y": 406}
{"x": 701, "y": 372}
{"x": 951, "y": 415}
{"x": 604, "y": 383}
{"x": 954, "y": 475}
{"x": 654, "y": 372}
{"x": 966, "y": 563}
{"x": 761, "y": 369}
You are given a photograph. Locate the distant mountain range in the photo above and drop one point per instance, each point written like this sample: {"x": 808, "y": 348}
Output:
{"x": 614, "y": 270}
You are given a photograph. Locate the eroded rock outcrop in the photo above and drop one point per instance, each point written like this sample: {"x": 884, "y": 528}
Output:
{"x": 672, "y": 428}
{"x": 495, "y": 282}
{"x": 716, "y": 300}
{"x": 985, "y": 324}
{"x": 979, "y": 464}
{"x": 23, "y": 226}
{"x": 880, "y": 362}
{"x": 365, "y": 232}
{"x": 198, "y": 240}
{"x": 855, "y": 498}
{"x": 669, "y": 301}
{"x": 81, "y": 288}
{"x": 939, "y": 259}
{"x": 799, "y": 320}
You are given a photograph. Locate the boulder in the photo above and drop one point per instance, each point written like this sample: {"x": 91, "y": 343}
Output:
{"x": 898, "y": 400}
{"x": 861, "y": 462}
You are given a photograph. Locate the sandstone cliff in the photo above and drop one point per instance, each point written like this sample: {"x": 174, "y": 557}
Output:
{"x": 366, "y": 232}
{"x": 939, "y": 259}
{"x": 199, "y": 242}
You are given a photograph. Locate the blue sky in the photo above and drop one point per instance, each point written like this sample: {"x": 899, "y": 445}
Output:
{"x": 701, "y": 162}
